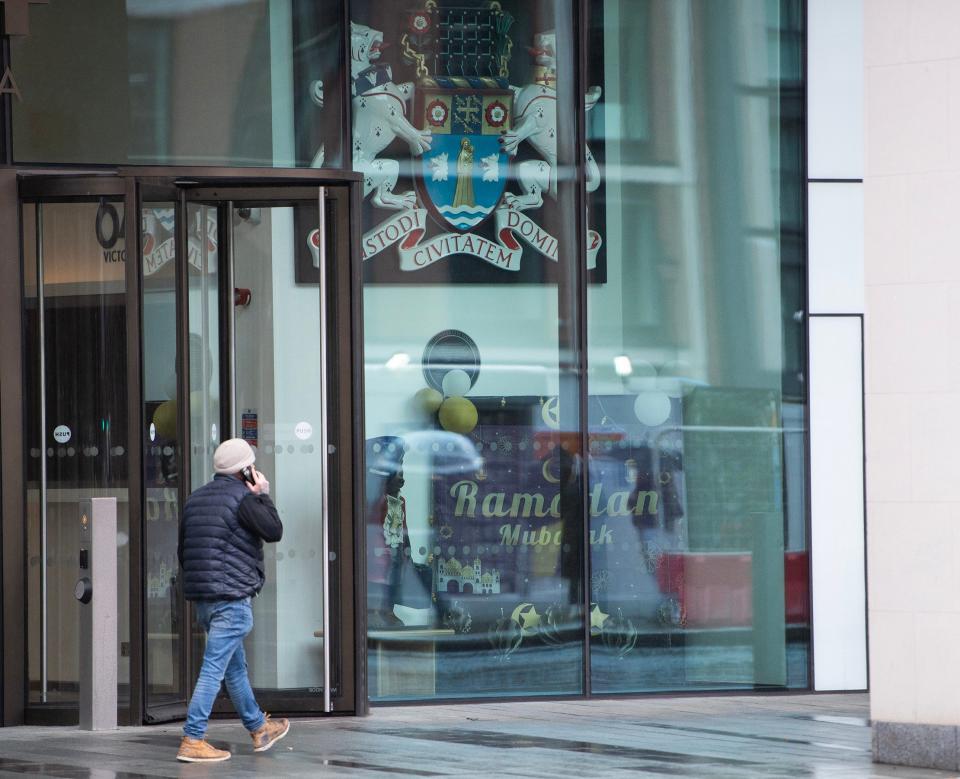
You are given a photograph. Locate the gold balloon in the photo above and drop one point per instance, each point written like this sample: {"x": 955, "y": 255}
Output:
{"x": 165, "y": 419}
{"x": 458, "y": 415}
{"x": 165, "y": 415}
{"x": 428, "y": 399}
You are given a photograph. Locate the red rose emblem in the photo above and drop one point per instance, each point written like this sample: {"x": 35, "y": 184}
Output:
{"x": 496, "y": 114}
{"x": 437, "y": 113}
{"x": 419, "y": 23}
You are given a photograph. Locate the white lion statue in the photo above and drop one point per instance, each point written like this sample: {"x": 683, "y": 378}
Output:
{"x": 379, "y": 117}
{"x": 535, "y": 120}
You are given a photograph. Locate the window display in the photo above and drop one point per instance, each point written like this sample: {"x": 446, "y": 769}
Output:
{"x": 474, "y": 486}
{"x": 691, "y": 571}
{"x": 696, "y": 394}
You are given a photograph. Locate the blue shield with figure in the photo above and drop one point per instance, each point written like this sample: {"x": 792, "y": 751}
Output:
{"x": 463, "y": 175}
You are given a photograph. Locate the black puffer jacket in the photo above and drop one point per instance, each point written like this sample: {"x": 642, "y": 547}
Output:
{"x": 222, "y": 532}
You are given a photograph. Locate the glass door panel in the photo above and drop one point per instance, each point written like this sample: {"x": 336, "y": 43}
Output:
{"x": 162, "y": 455}
{"x": 257, "y": 299}
{"x": 203, "y": 292}
{"x": 278, "y": 409}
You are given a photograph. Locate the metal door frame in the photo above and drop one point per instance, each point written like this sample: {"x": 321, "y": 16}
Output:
{"x": 338, "y": 294}
{"x": 150, "y": 191}
{"x": 345, "y": 347}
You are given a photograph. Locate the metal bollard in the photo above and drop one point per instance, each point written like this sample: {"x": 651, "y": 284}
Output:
{"x": 96, "y": 590}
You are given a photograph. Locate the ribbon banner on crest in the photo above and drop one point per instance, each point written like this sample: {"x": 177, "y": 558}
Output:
{"x": 513, "y": 229}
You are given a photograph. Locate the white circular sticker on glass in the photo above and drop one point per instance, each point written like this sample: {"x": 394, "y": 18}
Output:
{"x": 61, "y": 434}
{"x": 303, "y": 430}
{"x": 153, "y": 432}
{"x": 213, "y": 432}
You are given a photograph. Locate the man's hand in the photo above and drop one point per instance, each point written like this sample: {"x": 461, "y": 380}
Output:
{"x": 260, "y": 486}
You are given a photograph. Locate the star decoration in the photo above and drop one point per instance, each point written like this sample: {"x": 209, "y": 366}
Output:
{"x": 525, "y": 615}
{"x": 529, "y": 620}
{"x": 597, "y": 618}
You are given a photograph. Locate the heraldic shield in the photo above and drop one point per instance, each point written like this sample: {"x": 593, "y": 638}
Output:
{"x": 463, "y": 175}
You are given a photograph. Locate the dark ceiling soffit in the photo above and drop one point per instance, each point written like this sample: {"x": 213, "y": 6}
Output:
{"x": 204, "y": 173}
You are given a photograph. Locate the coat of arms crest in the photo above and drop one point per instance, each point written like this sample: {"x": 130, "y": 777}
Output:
{"x": 463, "y": 176}
{"x": 464, "y": 121}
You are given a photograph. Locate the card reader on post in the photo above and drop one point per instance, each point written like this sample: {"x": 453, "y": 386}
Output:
{"x": 96, "y": 591}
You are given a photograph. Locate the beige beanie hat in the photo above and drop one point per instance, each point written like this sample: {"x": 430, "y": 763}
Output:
{"x": 232, "y": 456}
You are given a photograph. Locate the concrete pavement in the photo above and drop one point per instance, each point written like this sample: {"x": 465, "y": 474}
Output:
{"x": 705, "y": 737}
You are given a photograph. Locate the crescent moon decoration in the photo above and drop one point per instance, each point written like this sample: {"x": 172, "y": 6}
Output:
{"x": 551, "y": 624}
{"x": 550, "y": 413}
{"x": 619, "y": 635}
{"x": 547, "y": 475}
{"x": 525, "y": 615}
{"x": 505, "y": 636}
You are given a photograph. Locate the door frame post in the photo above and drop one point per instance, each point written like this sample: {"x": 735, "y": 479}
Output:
{"x": 12, "y": 407}
{"x": 137, "y": 709}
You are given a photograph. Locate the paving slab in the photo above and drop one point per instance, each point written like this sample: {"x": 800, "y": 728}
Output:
{"x": 735, "y": 737}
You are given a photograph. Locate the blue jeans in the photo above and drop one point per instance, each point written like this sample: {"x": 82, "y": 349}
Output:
{"x": 227, "y": 623}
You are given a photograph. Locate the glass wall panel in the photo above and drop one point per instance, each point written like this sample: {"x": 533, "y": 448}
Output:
{"x": 473, "y": 479}
{"x": 76, "y": 425}
{"x": 219, "y": 82}
{"x": 696, "y": 349}
{"x": 161, "y": 454}
{"x": 203, "y": 287}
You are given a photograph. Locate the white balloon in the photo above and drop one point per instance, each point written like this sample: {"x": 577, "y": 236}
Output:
{"x": 652, "y": 408}
{"x": 456, "y": 383}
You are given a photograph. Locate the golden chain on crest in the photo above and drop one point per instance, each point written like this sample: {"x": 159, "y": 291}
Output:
{"x": 504, "y": 58}
{"x": 417, "y": 57}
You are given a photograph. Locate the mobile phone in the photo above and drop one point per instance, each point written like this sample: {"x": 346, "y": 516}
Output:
{"x": 247, "y": 474}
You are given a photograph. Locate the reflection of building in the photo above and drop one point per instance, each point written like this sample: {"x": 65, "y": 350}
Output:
{"x": 452, "y": 577}
{"x": 158, "y": 585}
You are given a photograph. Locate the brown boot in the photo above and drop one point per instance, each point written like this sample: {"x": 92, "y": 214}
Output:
{"x": 269, "y": 733}
{"x": 197, "y": 750}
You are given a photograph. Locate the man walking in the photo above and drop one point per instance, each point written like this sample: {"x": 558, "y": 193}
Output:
{"x": 222, "y": 531}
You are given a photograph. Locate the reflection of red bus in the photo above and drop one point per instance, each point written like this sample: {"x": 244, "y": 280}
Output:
{"x": 716, "y": 589}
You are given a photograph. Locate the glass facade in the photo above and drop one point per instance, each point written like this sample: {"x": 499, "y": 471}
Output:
{"x": 691, "y": 572}
{"x": 583, "y": 287}
{"x": 248, "y": 82}
{"x": 696, "y": 406}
